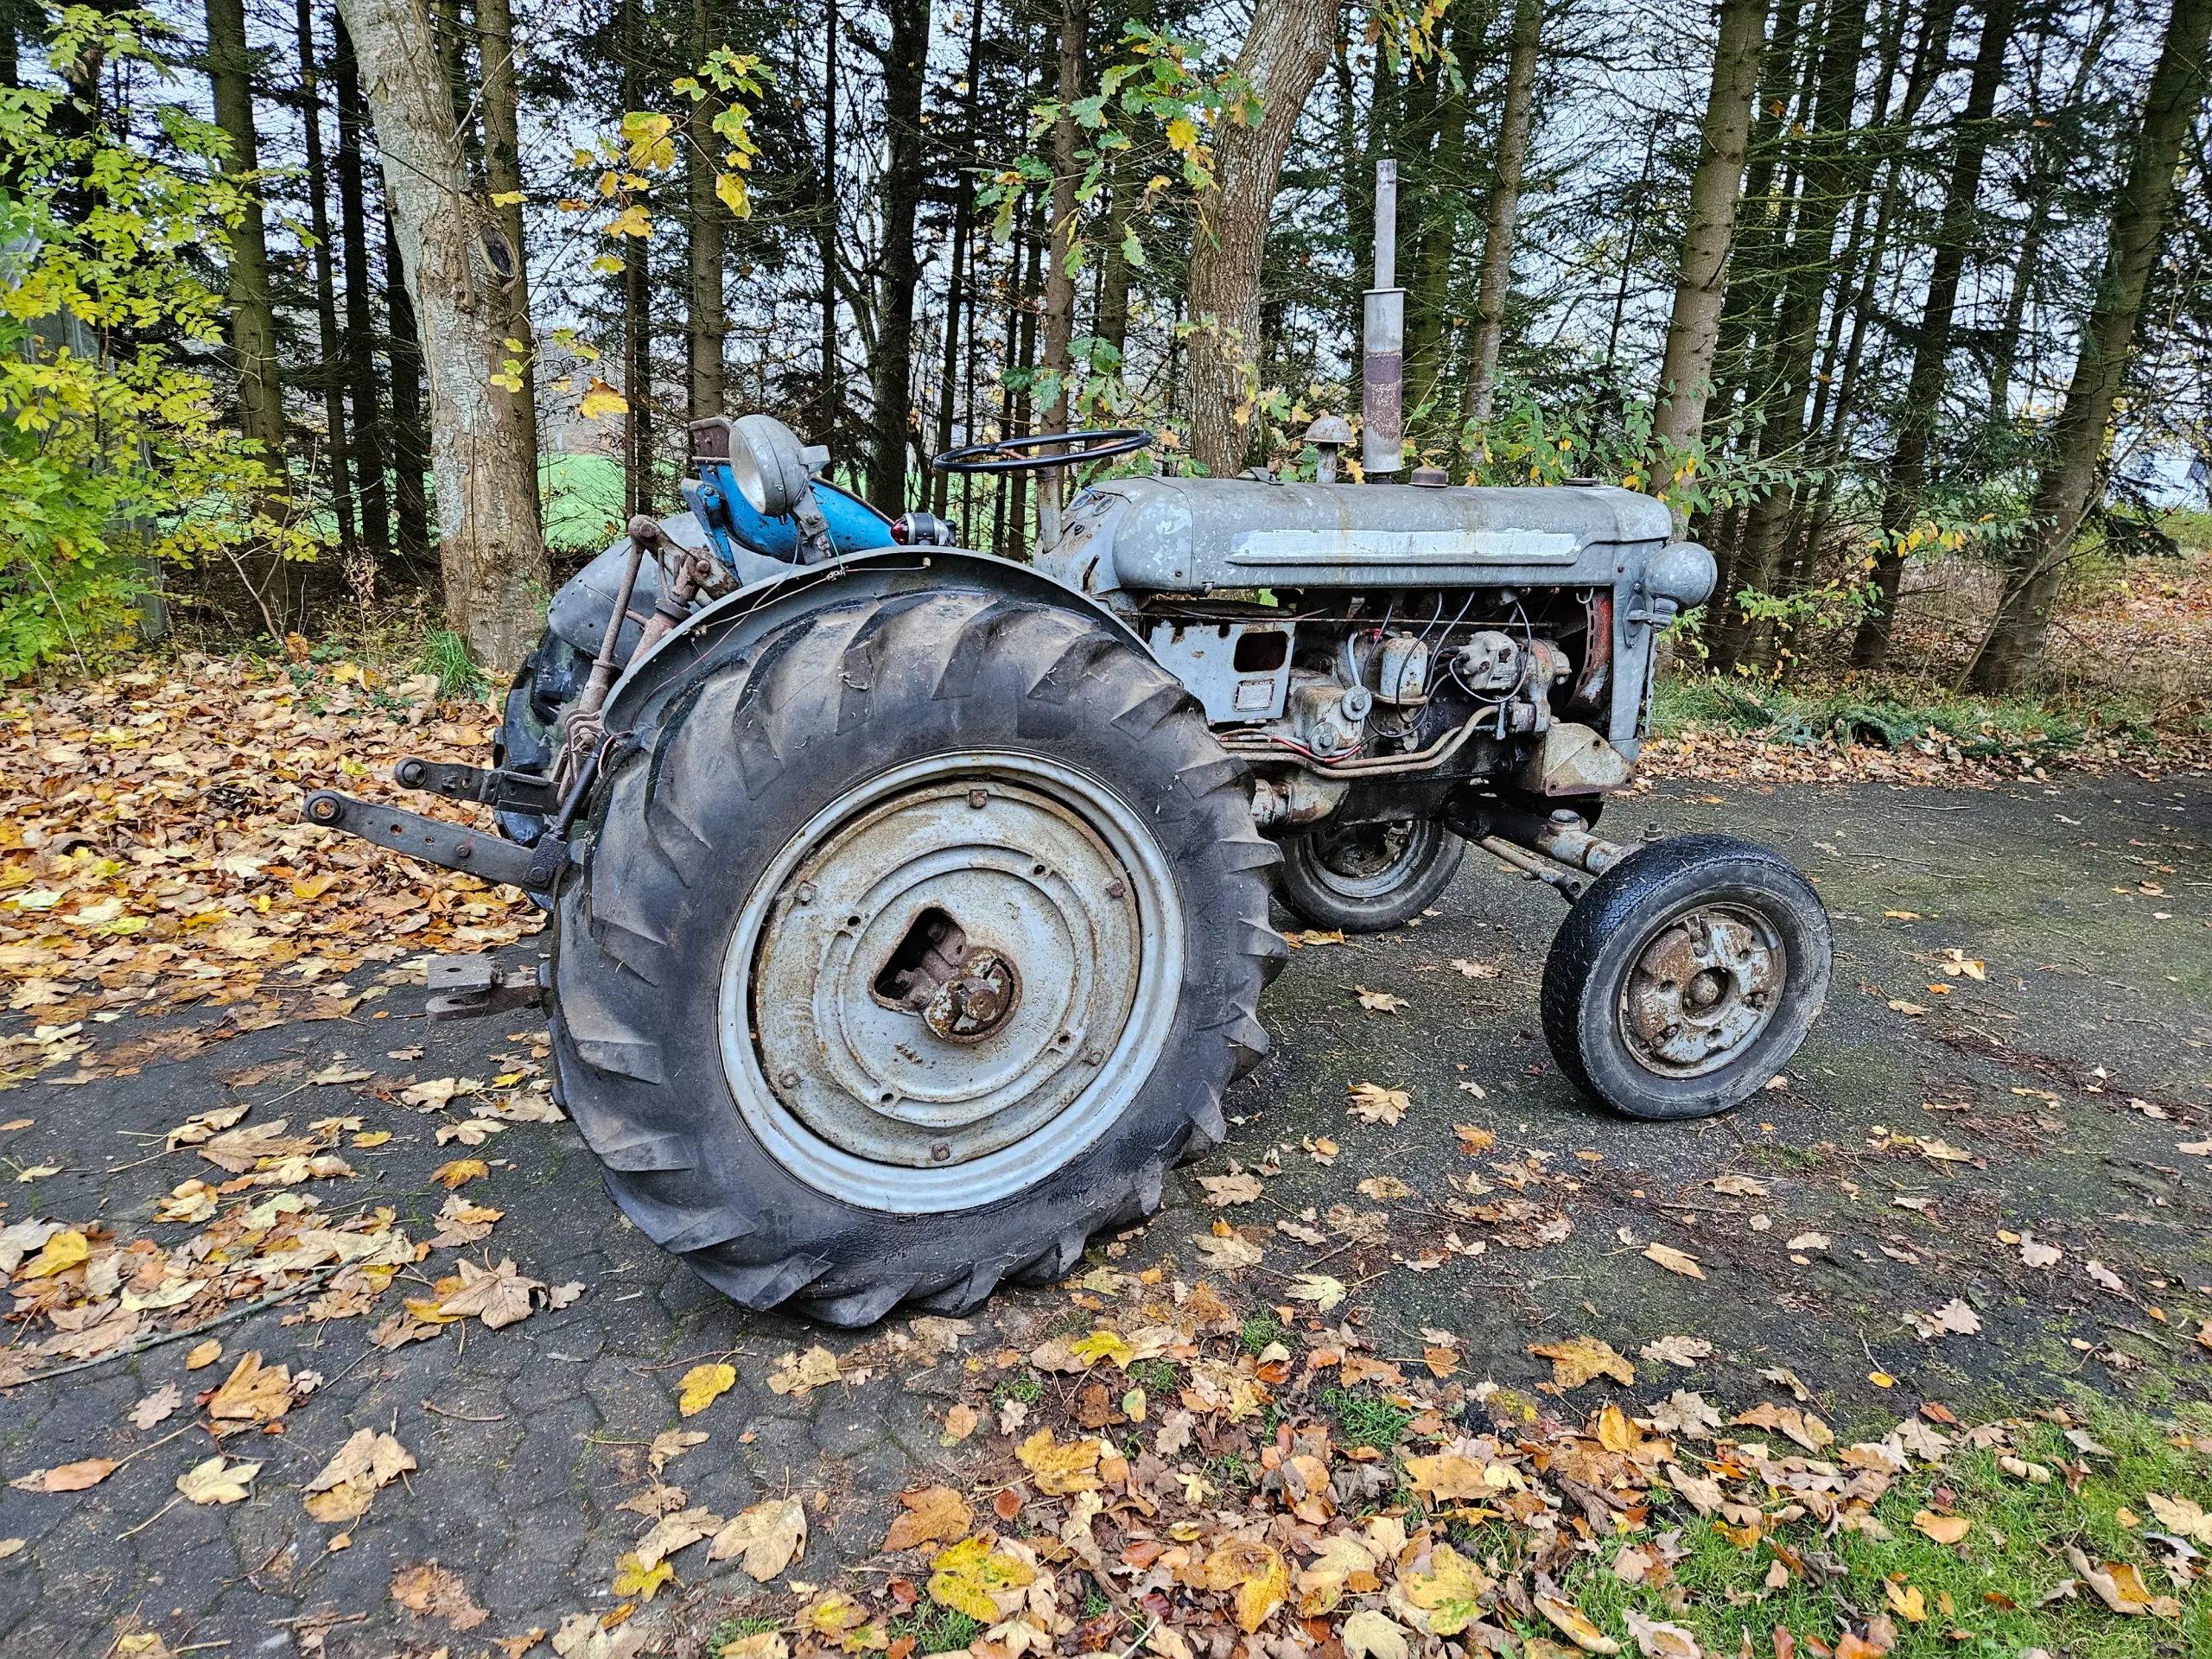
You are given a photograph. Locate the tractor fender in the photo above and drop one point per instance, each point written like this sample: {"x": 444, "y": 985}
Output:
{"x": 731, "y": 624}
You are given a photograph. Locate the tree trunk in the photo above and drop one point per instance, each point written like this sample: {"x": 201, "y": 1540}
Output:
{"x": 253, "y": 318}
{"x": 905, "y": 67}
{"x": 959, "y": 290}
{"x": 1826, "y": 169}
{"x": 1059, "y": 279}
{"x": 331, "y": 370}
{"x": 637, "y": 492}
{"x": 2073, "y": 465}
{"x": 490, "y": 553}
{"x": 1924, "y": 395}
{"x": 367, "y": 449}
{"x": 1115, "y": 269}
{"x": 707, "y": 322}
{"x": 495, "y": 46}
{"x": 1504, "y": 210}
{"x": 833, "y": 398}
{"x": 411, "y": 455}
{"x": 1435, "y": 240}
{"x": 1693, "y": 329}
{"x": 1285, "y": 50}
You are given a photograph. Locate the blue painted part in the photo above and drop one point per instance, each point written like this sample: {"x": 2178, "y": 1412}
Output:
{"x": 728, "y": 518}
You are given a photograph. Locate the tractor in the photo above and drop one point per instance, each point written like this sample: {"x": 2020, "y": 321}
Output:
{"x": 911, "y": 906}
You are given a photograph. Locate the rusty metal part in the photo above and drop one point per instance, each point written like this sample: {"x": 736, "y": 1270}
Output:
{"x": 468, "y": 988}
{"x": 450, "y": 846}
{"x": 1302, "y": 796}
{"x": 1704, "y": 985}
{"x": 977, "y": 1003}
{"x": 1571, "y": 759}
{"x": 1539, "y": 846}
{"x": 517, "y": 791}
{"x": 1426, "y": 759}
{"x": 581, "y": 726}
{"x": 1568, "y": 885}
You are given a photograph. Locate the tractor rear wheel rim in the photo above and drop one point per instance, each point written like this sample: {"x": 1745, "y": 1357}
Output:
{"x": 1705, "y": 984}
{"x": 951, "y": 982}
{"x": 1372, "y": 860}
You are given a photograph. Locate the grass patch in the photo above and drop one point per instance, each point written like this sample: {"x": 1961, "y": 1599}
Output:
{"x": 936, "y": 1628}
{"x": 1981, "y": 1597}
{"x": 1153, "y": 1375}
{"x": 1978, "y": 728}
{"x": 1365, "y": 1418}
{"x": 1025, "y": 1388}
{"x": 445, "y": 654}
{"x": 1261, "y": 1329}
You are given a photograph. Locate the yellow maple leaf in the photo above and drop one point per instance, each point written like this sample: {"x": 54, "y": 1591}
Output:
{"x": 460, "y": 1172}
{"x": 1104, "y": 1345}
{"x": 702, "y": 1385}
{"x": 1258, "y": 1576}
{"x": 633, "y": 1577}
{"x": 730, "y": 189}
{"x": 1578, "y": 1359}
{"x": 61, "y": 1252}
{"x": 964, "y": 1577}
{"x": 1449, "y": 1595}
{"x": 1060, "y": 1469}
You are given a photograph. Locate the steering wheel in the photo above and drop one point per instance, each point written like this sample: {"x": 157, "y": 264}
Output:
{"x": 1011, "y": 454}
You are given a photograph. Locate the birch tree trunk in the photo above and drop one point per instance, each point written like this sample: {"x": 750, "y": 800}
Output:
{"x": 1504, "y": 207}
{"x": 1931, "y": 351}
{"x": 1285, "y": 50}
{"x": 2074, "y": 465}
{"x": 360, "y": 328}
{"x": 253, "y": 318}
{"x": 1694, "y": 329}
{"x": 490, "y": 554}
{"x": 331, "y": 370}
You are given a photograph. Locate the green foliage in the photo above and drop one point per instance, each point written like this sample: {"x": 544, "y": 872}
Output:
{"x": 1025, "y": 1388}
{"x": 113, "y": 457}
{"x": 936, "y": 1629}
{"x": 445, "y": 654}
{"x": 1155, "y": 1375}
{"x": 1261, "y": 1329}
{"x": 1976, "y": 727}
{"x": 1364, "y": 1417}
{"x": 730, "y": 1631}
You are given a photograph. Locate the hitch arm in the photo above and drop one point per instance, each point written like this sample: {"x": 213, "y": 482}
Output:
{"x": 450, "y": 846}
{"x": 516, "y": 791}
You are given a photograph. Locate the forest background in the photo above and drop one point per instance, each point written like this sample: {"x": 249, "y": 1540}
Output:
{"x": 321, "y": 316}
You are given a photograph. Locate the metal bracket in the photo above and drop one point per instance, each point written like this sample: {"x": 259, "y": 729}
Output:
{"x": 468, "y": 988}
{"x": 450, "y": 846}
{"x": 514, "y": 792}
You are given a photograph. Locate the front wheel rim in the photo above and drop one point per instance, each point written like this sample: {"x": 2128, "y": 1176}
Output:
{"x": 878, "y": 1074}
{"x": 1704, "y": 985}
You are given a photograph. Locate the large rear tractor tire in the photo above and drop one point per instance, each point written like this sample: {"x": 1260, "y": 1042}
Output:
{"x": 1687, "y": 976}
{"x": 1365, "y": 878}
{"x": 912, "y": 949}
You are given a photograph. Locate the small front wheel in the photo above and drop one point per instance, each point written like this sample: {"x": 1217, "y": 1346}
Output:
{"x": 1366, "y": 877}
{"x": 1687, "y": 976}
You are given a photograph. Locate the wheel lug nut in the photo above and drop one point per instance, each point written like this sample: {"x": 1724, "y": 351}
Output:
{"x": 940, "y": 1152}
{"x": 978, "y": 796}
{"x": 1114, "y": 889}
{"x": 790, "y": 1080}
{"x": 805, "y": 893}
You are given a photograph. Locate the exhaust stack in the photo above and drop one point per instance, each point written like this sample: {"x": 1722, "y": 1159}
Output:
{"x": 1383, "y": 369}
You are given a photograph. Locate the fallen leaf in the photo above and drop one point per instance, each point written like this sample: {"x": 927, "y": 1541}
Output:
{"x": 702, "y": 1385}
{"x": 1240, "y": 1188}
{"x": 967, "y": 1576}
{"x": 2183, "y": 1515}
{"x": 798, "y": 1374}
{"x": 69, "y": 1477}
{"x": 960, "y": 1422}
{"x": 436, "y": 1593}
{"x": 672, "y": 1443}
{"x": 1373, "y": 1103}
{"x": 633, "y": 1577}
{"x": 770, "y": 1536}
{"x": 367, "y": 1462}
{"x": 1060, "y": 1469}
{"x": 1685, "y": 1351}
{"x": 1318, "y": 1288}
{"x": 1942, "y": 1529}
{"x": 1674, "y": 1260}
{"x": 1380, "y": 1001}
{"x": 1576, "y": 1360}
{"x": 934, "y": 1515}
{"x": 1473, "y": 1138}
{"x": 672, "y": 1533}
{"x": 1656, "y": 1639}
{"x": 203, "y": 1354}
{"x": 1258, "y": 1574}
{"x": 1385, "y": 1187}
{"x": 460, "y": 1171}
{"x": 1449, "y": 1594}
{"x": 499, "y": 1296}
{"x": 253, "y": 1393}
{"x": 156, "y": 1406}
{"x": 1229, "y": 1251}
{"x": 1572, "y": 1622}
{"x": 1369, "y": 1635}
{"x": 212, "y": 1482}
{"x": 2116, "y": 1583}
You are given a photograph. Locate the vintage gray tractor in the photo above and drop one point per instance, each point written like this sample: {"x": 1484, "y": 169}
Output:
{"x": 911, "y": 906}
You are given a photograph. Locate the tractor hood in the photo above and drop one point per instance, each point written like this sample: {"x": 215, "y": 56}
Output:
{"x": 1201, "y": 535}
